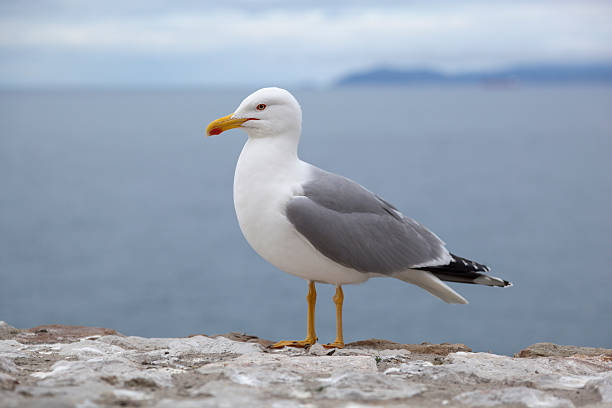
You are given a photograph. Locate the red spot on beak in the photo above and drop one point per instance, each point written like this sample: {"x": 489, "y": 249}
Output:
{"x": 215, "y": 131}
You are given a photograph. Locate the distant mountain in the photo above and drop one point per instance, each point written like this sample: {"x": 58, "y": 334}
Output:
{"x": 527, "y": 74}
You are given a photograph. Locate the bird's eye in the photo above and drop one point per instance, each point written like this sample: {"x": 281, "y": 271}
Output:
{"x": 261, "y": 106}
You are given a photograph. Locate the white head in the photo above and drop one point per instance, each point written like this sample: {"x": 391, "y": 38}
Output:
{"x": 268, "y": 112}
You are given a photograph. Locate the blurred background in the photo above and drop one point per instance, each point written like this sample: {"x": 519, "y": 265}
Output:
{"x": 115, "y": 211}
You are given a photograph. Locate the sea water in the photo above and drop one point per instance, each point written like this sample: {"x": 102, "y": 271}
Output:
{"x": 116, "y": 211}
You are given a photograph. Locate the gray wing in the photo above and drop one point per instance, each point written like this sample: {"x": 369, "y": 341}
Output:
{"x": 358, "y": 229}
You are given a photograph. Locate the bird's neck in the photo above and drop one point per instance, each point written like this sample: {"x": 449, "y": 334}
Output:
{"x": 267, "y": 171}
{"x": 267, "y": 160}
{"x": 279, "y": 149}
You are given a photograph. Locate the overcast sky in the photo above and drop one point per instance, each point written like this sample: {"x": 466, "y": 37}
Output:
{"x": 166, "y": 43}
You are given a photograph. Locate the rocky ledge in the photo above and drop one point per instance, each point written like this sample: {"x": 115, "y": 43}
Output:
{"x": 56, "y": 366}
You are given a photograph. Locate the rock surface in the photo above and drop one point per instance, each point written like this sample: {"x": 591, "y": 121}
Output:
{"x": 57, "y": 366}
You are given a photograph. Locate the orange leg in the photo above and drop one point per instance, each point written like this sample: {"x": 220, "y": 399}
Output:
{"x": 338, "y": 300}
{"x": 311, "y": 336}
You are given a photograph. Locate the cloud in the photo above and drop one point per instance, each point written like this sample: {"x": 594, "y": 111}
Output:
{"x": 308, "y": 41}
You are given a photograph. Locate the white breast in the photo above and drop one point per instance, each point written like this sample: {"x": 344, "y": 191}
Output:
{"x": 266, "y": 178}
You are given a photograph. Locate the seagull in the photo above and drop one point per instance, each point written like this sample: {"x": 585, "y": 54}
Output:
{"x": 323, "y": 227}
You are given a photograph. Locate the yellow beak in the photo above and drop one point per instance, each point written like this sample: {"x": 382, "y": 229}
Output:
{"x": 225, "y": 123}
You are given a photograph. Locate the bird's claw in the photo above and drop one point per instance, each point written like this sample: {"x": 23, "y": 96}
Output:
{"x": 335, "y": 344}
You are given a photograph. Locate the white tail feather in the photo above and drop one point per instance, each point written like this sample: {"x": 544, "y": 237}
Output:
{"x": 432, "y": 284}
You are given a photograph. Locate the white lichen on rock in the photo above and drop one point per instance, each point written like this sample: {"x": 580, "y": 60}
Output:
{"x": 89, "y": 367}
{"x": 513, "y": 395}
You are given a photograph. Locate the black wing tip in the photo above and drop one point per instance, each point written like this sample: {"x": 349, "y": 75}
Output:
{"x": 464, "y": 270}
{"x": 478, "y": 268}
{"x": 463, "y": 264}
